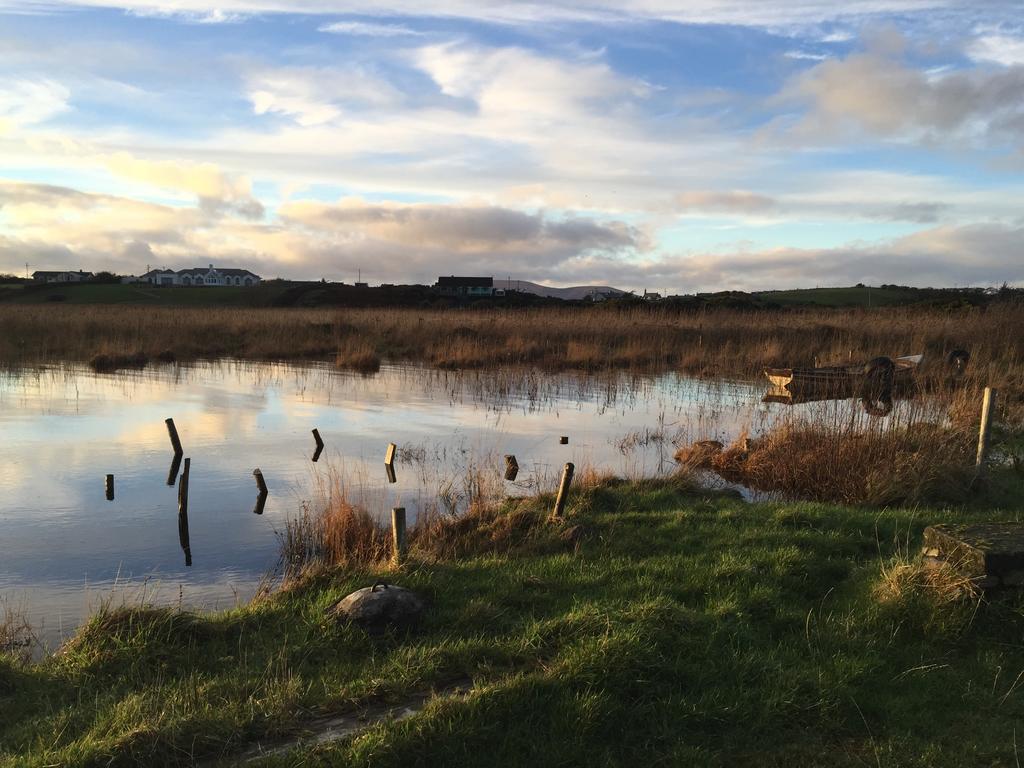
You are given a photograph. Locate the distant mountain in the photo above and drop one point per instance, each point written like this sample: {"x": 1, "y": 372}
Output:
{"x": 574, "y": 293}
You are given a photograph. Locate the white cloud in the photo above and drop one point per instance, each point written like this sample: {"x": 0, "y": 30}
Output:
{"x": 367, "y": 29}
{"x": 739, "y": 12}
{"x": 314, "y": 96}
{"x": 998, "y": 48}
{"x": 28, "y": 102}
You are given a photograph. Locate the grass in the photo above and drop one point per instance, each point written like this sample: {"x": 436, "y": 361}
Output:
{"x": 677, "y": 626}
{"x": 721, "y": 342}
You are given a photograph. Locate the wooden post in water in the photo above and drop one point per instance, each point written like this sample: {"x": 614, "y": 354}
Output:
{"x": 563, "y": 440}
{"x": 563, "y": 490}
{"x": 389, "y": 463}
{"x": 183, "y": 537}
{"x": 511, "y": 467}
{"x": 172, "y": 431}
{"x": 988, "y": 405}
{"x": 398, "y": 541}
{"x": 110, "y": 487}
{"x": 261, "y": 484}
{"x": 319, "y": 444}
{"x": 172, "y": 473}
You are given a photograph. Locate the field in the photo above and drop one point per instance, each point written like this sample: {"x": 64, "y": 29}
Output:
{"x": 673, "y": 626}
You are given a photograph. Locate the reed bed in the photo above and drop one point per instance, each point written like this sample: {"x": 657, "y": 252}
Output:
{"x": 920, "y": 454}
{"x": 712, "y": 342}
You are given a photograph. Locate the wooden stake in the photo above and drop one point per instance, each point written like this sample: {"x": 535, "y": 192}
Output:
{"x": 563, "y": 440}
{"x": 260, "y": 482}
{"x": 563, "y": 490}
{"x": 172, "y": 473}
{"x": 988, "y": 405}
{"x": 319, "y": 444}
{"x": 389, "y": 456}
{"x": 110, "y": 487}
{"x": 183, "y": 537}
{"x": 172, "y": 431}
{"x": 398, "y": 541}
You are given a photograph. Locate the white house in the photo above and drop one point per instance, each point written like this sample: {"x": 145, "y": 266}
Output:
{"x": 203, "y": 276}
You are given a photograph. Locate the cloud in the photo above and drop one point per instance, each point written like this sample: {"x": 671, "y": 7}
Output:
{"x": 980, "y": 254}
{"x": 471, "y": 230}
{"x": 737, "y": 12}
{"x": 314, "y": 96}
{"x": 218, "y": 192}
{"x": 998, "y": 48}
{"x": 737, "y": 202}
{"x": 398, "y": 242}
{"x": 880, "y": 95}
{"x": 919, "y": 213}
{"x": 367, "y": 29}
{"x": 29, "y": 102}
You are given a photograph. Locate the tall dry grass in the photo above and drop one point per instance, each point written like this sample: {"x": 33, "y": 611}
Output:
{"x": 725, "y": 342}
{"x": 918, "y": 454}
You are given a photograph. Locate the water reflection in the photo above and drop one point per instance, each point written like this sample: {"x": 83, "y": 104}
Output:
{"x": 65, "y": 426}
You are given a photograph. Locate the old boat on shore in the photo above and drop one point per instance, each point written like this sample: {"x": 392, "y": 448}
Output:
{"x": 836, "y": 380}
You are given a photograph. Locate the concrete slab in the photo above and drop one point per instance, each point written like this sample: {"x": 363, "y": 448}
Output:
{"x": 991, "y": 553}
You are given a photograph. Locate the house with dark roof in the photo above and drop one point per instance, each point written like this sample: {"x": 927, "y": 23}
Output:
{"x": 50, "y": 276}
{"x": 465, "y": 286}
{"x": 203, "y": 276}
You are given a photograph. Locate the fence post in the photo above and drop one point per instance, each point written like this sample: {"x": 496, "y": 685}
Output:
{"x": 563, "y": 490}
{"x": 319, "y": 444}
{"x": 183, "y": 537}
{"x": 110, "y": 487}
{"x": 988, "y": 405}
{"x": 172, "y": 431}
{"x": 261, "y": 484}
{"x": 398, "y": 539}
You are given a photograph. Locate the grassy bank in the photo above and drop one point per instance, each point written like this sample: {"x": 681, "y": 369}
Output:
{"x": 671, "y": 626}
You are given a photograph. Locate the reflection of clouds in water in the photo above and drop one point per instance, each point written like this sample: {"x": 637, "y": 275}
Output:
{"x": 65, "y": 428}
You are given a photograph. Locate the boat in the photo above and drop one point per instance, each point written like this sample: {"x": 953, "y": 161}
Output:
{"x": 836, "y": 380}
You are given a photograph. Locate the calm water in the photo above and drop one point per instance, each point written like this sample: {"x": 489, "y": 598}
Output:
{"x": 63, "y": 546}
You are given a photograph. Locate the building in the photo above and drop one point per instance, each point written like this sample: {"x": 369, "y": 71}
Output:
{"x": 465, "y": 286}
{"x": 205, "y": 276}
{"x": 45, "y": 276}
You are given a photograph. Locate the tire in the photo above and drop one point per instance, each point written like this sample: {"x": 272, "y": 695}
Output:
{"x": 879, "y": 375}
{"x": 958, "y": 359}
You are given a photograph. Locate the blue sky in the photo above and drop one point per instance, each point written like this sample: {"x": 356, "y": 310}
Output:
{"x": 661, "y": 144}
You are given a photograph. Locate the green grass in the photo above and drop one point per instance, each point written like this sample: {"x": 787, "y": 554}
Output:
{"x": 688, "y": 629}
{"x": 846, "y": 297}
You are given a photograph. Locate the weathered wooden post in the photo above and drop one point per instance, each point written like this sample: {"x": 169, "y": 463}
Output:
{"x": 172, "y": 431}
{"x": 389, "y": 463}
{"x": 261, "y": 484}
{"x": 563, "y": 490}
{"x": 511, "y": 467}
{"x": 110, "y": 487}
{"x": 988, "y": 405}
{"x": 398, "y": 540}
{"x": 172, "y": 473}
{"x": 319, "y": 444}
{"x": 183, "y": 537}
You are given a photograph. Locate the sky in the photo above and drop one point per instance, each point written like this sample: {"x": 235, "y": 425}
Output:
{"x": 664, "y": 145}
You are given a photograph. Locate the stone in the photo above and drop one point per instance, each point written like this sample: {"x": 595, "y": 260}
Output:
{"x": 381, "y": 607}
{"x": 990, "y": 553}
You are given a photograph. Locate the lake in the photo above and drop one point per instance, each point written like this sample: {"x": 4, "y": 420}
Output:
{"x": 64, "y": 546}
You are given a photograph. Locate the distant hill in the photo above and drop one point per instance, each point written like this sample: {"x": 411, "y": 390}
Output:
{"x": 575, "y": 293}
